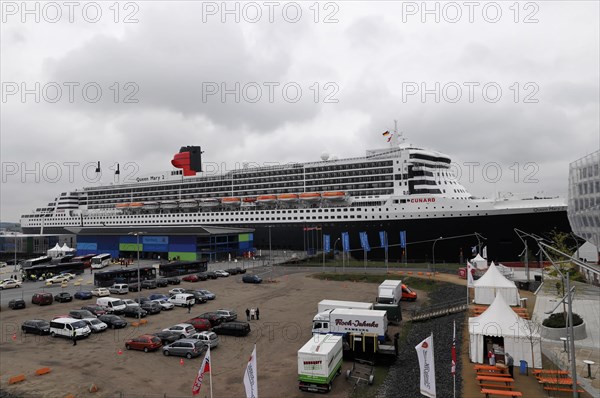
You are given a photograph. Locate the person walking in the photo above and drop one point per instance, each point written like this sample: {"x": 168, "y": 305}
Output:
{"x": 510, "y": 364}
{"x": 247, "y": 314}
{"x": 74, "y": 337}
{"x": 491, "y": 357}
{"x": 189, "y": 305}
{"x": 252, "y": 312}
{"x": 257, "y": 314}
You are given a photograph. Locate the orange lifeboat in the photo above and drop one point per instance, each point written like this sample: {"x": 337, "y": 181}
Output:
{"x": 288, "y": 197}
{"x": 310, "y": 196}
{"x": 334, "y": 195}
{"x": 266, "y": 199}
{"x": 249, "y": 199}
{"x": 231, "y": 201}
{"x": 136, "y": 205}
{"x": 122, "y": 205}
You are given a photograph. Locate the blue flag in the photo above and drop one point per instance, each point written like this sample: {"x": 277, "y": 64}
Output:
{"x": 326, "y": 243}
{"x": 383, "y": 239}
{"x": 364, "y": 241}
{"x": 403, "y": 239}
{"x": 345, "y": 242}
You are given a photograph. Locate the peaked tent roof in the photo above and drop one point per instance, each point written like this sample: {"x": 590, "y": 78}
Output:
{"x": 56, "y": 248}
{"x": 500, "y": 320}
{"x": 493, "y": 278}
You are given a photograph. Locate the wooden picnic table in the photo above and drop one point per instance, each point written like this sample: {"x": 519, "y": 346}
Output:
{"x": 556, "y": 380}
{"x": 493, "y": 374}
{"x": 505, "y": 380}
{"x": 549, "y": 372}
{"x": 489, "y": 367}
{"x": 489, "y": 392}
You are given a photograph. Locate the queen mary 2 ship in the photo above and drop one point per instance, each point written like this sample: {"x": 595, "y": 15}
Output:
{"x": 398, "y": 188}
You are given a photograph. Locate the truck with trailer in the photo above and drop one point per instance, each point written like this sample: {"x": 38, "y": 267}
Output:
{"x": 325, "y": 305}
{"x": 343, "y": 321}
{"x": 389, "y": 292}
{"x": 319, "y": 362}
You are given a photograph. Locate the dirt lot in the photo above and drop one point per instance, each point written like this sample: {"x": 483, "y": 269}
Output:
{"x": 286, "y": 311}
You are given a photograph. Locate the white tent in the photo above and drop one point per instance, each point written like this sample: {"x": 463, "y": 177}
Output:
{"x": 66, "y": 249}
{"x": 479, "y": 262}
{"x": 521, "y": 337}
{"x": 492, "y": 283}
{"x": 56, "y": 251}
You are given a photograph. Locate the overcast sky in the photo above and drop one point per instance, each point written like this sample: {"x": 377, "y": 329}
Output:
{"x": 515, "y": 88}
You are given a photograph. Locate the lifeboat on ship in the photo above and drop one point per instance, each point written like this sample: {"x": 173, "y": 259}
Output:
{"x": 249, "y": 199}
{"x": 169, "y": 204}
{"x": 266, "y": 199}
{"x": 335, "y": 196}
{"x": 231, "y": 201}
{"x": 287, "y": 197}
{"x": 151, "y": 205}
{"x": 188, "y": 204}
{"x": 207, "y": 203}
{"x": 122, "y": 206}
{"x": 310, "y": 197}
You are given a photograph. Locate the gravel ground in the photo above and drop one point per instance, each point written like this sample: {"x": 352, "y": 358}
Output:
{"x": 403, "y": 377}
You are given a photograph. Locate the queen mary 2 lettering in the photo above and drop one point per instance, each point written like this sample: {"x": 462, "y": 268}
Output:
{"x": 398, "y": 188}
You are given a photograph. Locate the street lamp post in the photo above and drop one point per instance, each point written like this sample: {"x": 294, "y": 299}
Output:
{"x": 433, "y": 251}
{"x": 139, "y": 284}
{"x": 15, "y": 265}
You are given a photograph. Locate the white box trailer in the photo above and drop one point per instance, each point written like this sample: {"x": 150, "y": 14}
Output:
{"x": 319, "y": 362}
{"x": 325, "y": 305}
{"x": 389, "y": 292}
{"x": 343, "y": 321}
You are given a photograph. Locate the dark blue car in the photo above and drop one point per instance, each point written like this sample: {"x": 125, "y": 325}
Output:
{"x": 83, "y": 295}
{"x": 157, "y": 296}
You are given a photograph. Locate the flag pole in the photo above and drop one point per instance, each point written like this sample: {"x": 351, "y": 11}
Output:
{"x": 454, "y": 367}
{"x": 210, "y": 374}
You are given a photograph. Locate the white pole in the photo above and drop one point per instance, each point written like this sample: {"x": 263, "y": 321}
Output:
{"x": 387, "y": 270}
{"x": 453, "y": 345}
{"x": 210, "y": 372}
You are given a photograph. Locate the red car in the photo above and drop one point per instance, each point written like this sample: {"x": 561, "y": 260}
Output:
{"x": 200, "y": 324}
{"x": 145, "y": 342}
{"x": 190, "y": 278}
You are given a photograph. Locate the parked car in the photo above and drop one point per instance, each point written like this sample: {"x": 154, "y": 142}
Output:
{"x": 188, "y": 348}
{"x": 80, "y": 314}
{"x": 162, "y": 282}
{"x": 67, "y": 274}
{"x": 145, "y": 342}
{"x": 37, "y": 326}
{"x": 149, "y": 284}
{"x": 228, "y": 315}
{"x": 214, "y": 318}
{"x": 100, "y": 292}
{"x": 233, "y": 328}
{"x": 134, "y": 287}
{"x": 141, "y": 300}
{"x": 9, "y": 284}
{"x": 135, "y": 312}
{"x": 209, "y": 338}
{"x": 130, "y": 302}
{"x": 249, "y": 278}
{"x": 94, "y": 309}
{"x": 241, "y": 270}
{"x": 184, "y": 329}
{"x": 16, "y": 304}
{"x": 232, "y": 271}
{"x": 165, "y": 305}
{"x": 202, "y": 276}
{"x": 113, "y": 321}
{"x": 176, "y": 290}
{"x": 200, "y": 324}
{"x": 174, "y": 280}
{"x": 211, "y": 275}
{"x": 95, "y": 324}
{"x": 151, "y": 307}
{"x": 119, "y": 288}
{"x": 207, "y": 294}
{"x": 63, "y": 297}
{"x": 83, "y": 295}
{"x": 57, "y": 279}
{"x": 221, "y": 273}
{"x": 166, "y": 337}
{"x": 190, "y": 278}
{"x": 157, "y": 296}
{"x": 42, "y": 299}
{"x": 198, "y": 296}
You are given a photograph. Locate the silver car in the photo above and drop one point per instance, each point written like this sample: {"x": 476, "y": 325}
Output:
{"x": 164, "y": 304}
{"x": 184, "y": 330}
{"x": 188, "y": 348}
{"x": 95, "y": 324}
{"x": 208, "y": 338}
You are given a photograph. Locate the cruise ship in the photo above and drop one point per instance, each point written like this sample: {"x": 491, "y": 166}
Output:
{"x": 398, "y": 188}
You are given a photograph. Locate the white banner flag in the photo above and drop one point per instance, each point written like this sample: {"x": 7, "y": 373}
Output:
{"x": 427, "y": 366}
{"x": 204, "y": 368}
{"x": 250, "y": 377}
{"x": 469, "y": 274}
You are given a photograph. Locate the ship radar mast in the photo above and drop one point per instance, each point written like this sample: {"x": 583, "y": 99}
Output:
{"x": 397, "y": 139}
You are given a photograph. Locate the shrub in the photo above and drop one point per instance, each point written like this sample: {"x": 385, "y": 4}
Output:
{"x": 558, "y": 320}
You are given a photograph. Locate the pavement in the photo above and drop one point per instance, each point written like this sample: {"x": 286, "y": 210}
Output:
{"x": 586, "y": 303}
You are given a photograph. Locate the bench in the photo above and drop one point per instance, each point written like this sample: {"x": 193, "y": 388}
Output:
{"x": 561, "y": 389}
{"x": 42, "y": 371}
{"x": 491, "y": 373}
{"x": 489, "y": 392}
{"x": 496, "y": 386}
{"x": 16, "y": 379}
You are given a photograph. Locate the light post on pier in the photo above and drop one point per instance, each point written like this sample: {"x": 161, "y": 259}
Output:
{"x": 139, "y": 284}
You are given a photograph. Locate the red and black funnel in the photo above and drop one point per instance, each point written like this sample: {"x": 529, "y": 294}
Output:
{"x": 189, "y": 159}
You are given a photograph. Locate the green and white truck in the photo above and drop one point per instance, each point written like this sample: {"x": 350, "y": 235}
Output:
{"x": 319, "y": 362}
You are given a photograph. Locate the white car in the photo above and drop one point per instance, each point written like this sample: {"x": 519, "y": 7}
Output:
{"x": 9, "y": 284}
{"x": 209, "y": 338}
{"x": 95, "y": 324}
{"x": 68, "y": 275}
{"x": 164, "y": 304}
{"x": 130, "y": 303}
{"x": 184, "y": 330}
{"x": 58, "y": 279}
{"x": 177, "y": 290}
{"x": 100, "y": 292}
{"x": 221, "y": 272}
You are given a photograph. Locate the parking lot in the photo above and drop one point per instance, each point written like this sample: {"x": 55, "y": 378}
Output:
{"x": 287, "y": 307}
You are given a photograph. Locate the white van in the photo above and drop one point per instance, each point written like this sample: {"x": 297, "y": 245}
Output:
{"x": 65, "y": 326}
{"x": 182, "y": 299}
{"x": 111, "y": 304}
{"x": 119, "y": 288}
